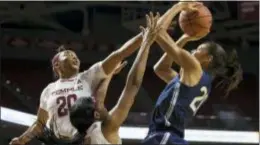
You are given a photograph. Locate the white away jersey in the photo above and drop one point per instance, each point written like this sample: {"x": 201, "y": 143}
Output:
{"x": 59, "y": 96}
{"x": 94, "y": 133}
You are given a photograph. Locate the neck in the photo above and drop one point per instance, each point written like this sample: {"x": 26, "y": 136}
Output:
{"x": 68, "y": 75}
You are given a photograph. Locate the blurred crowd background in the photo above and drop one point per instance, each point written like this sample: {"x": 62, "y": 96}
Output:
{"x": 30, "y": 33}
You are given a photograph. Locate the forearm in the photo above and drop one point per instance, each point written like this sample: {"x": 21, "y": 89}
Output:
{"x": 166, "y": 45}
{"x": 166, "y": 60}
{"x": 102, "y": 91}
{"x": 136, "y": 73}
{"x": 34, "y": 131}
{"x": 133, "y": 83}
{"x": 166, "y": 19}
{"x": 119, "y": 55}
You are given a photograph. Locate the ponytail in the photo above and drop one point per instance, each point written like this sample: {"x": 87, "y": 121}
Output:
{"x": 233, "y": 74}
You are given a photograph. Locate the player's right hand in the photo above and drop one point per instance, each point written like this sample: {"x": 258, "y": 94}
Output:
{"x": 16, "y": 141}
{"x": 189, "y": 5}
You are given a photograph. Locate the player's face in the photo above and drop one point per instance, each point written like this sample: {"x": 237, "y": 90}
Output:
{"x": 202, "y": 55}
{"x": 68, "y": 62}
{"x": 70, "y": 59}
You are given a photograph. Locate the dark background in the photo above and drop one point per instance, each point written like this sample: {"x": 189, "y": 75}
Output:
{"x": 30, "y": 32}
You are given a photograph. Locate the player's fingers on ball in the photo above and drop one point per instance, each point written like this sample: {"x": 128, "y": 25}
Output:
{"x": 198, "y": 3}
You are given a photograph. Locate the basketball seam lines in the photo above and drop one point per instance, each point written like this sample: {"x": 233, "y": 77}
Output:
{"x": 198, "y": 24}
{"x": 187, "y": 20}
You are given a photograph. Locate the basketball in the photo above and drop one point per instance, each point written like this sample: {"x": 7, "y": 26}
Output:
{"x": 196, "y": 22}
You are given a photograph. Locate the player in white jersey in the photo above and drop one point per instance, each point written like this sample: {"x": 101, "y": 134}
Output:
{"x": 59, "y": 96}
{"x": 105, "y": 129}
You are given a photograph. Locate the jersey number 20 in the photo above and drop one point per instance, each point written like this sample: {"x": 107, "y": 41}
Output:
{"x": 65, "y": 104}
{"x": 199, "y": 100}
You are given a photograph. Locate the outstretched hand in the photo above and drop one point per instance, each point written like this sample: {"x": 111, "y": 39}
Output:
{"x": 149, "y": 33}
{"x": 190, "y": 5}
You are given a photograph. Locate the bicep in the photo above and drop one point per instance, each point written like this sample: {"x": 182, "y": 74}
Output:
{"x": 166, "y": 75}
{"x": 94, "y": 75}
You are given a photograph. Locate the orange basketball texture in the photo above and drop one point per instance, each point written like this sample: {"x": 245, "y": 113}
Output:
{"x": 196, "y": 23}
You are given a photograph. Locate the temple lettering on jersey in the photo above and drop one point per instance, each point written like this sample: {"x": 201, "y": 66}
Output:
{"x": 66, "y": 90}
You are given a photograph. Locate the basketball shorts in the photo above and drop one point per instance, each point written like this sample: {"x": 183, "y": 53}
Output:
{"x": 166, "y": 138}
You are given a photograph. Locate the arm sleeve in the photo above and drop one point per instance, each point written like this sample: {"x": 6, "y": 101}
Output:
{"x": 94, "y": 75}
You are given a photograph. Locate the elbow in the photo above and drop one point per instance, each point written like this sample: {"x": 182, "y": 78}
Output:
{"x": 159, "y": 68}
{"x": 156, "y": 68}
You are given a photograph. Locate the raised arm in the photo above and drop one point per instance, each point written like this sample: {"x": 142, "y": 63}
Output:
{"x": 134, "y": 79}
{"x": 101, "y": 91}
{"x": 182, "y": 57}
{"x": 163, "y": 68}
{"x": 110, "y": 63}
{"x": 132, "y": 45}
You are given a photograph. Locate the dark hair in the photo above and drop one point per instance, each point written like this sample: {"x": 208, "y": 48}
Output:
{"x": 82, "y": 114}
{"x": 225, "y": 65}
{"x": 55, "y": 59}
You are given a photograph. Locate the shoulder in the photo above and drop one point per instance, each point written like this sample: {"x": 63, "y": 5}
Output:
{"x": 94, "y": 70}
{"x": 191, "y": 78}
{"x": 48, "y": 88}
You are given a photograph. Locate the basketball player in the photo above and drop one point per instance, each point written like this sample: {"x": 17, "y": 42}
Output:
{"x": 187, "y": 90}
{"x": 87, "y": 110}
{"x": 59, "y": 96}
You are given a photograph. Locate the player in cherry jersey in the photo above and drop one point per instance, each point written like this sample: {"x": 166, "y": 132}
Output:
{"x": 91, "y": 117}
{"x": 187, "y": 91}
{"x": 59, "y": 96}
